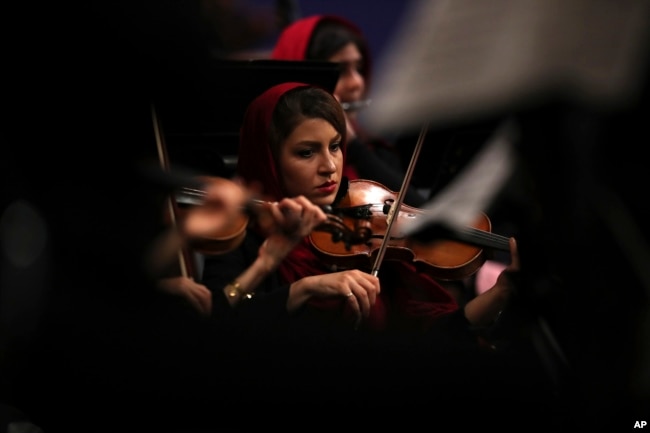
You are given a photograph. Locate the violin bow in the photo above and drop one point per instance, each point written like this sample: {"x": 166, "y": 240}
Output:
{"x": 397, "y": 204}
{"x": 183, "y": 259}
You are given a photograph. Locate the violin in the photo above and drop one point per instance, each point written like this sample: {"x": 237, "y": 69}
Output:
{"x": 367, "y": 204}
{"x": 231, "y": 234}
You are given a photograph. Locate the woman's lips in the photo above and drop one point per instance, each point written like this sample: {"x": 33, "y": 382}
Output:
{"x": 327, "y": 187}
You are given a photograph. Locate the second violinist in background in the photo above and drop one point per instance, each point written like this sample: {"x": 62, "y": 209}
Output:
{"x": 335, "y": 39}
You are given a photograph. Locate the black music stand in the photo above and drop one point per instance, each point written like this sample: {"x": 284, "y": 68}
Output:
{"x": 201, "y": 110}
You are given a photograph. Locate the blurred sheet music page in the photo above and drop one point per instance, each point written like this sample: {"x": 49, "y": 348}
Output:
{"x": 452, "y": 60}
{"x": 474, "y": 188}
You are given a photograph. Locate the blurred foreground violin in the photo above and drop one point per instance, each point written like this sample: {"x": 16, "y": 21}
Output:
{"x": 230, "y": 235}
{"x": 366, "y": 206}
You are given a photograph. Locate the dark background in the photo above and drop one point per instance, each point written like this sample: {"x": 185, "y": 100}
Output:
{"x": 88, "y": 346}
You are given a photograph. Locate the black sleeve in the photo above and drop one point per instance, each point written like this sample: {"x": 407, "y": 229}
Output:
{"x": 269, "y": 301}
{"x": 453, "y": 329}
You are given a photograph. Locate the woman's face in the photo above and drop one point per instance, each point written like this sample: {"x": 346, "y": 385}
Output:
{"x": 351, "y": 85}
{"x": 311, "y": 161}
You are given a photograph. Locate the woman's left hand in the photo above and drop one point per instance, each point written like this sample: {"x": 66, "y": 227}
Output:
{"x": 291, "y": 219}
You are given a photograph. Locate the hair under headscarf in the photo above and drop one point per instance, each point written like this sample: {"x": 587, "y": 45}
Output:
{"x": 255, "y": 162}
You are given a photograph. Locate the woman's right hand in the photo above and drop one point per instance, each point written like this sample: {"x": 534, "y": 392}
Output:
{"x": 360, "y": 289}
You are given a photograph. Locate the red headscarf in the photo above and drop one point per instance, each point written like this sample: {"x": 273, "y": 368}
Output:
{"x": 256, "y": 164}
{"x": 293, "y": 42}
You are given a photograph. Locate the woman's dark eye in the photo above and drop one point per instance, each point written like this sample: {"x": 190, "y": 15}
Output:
{"x": 306, "y": 153}
{"x": 335, "y": 146}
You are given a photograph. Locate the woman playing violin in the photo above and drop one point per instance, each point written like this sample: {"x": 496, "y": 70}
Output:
{"x": 292, "y": 143}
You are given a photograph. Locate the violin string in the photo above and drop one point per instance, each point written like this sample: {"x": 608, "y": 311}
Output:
{"x": 481, "y": 237}
{"x": 486, "y": 235}
{"x": 487, "y": 238}
{"x": 195, "y": 192}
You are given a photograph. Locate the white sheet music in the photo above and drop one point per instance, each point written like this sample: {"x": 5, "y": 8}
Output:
{"x": 471, "y": 192}
{"x": 454, "y": 59}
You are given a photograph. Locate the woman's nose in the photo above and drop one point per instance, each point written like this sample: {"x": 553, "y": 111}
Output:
{"x": 328, "y": 164}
